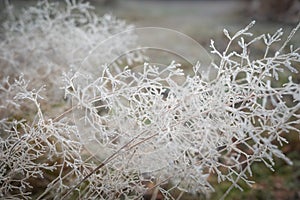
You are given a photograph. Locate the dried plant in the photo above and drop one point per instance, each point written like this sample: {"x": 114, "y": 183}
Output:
{"x": 49, "y": 38}
{"x": 120, "y": 130}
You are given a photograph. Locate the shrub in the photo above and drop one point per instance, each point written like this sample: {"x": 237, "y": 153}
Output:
{"x": 119, "y": 130}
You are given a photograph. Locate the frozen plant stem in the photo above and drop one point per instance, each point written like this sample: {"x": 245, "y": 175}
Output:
{"x": 108, "y": 159}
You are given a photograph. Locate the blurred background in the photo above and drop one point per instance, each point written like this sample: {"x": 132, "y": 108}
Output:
{"x": 200, "y": 19}
{"x": 204, "y": 20}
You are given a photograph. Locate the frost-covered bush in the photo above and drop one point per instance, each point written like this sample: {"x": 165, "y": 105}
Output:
{"x": 49, "y": 38}
{"x": 185, "y": 132}
{"x": 119, "y": 130}
{"x": 41, "y": 156}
